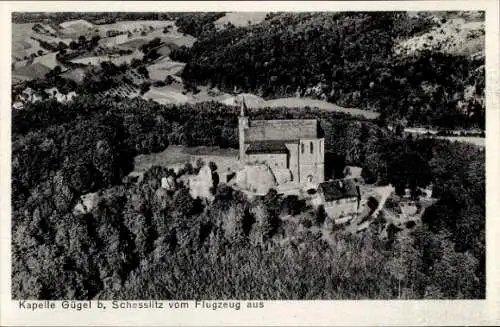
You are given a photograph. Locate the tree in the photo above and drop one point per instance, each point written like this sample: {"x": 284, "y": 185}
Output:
{"x": 82, "y": 40}
{"x": 145, "y": 87}
{"x": 61, "y": 46}
{"x": 143, "y": 71}
{"x": 57, "y": 70}
{"x": 95, "y": 40}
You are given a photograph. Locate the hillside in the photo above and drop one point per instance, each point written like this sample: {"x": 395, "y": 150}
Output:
{"x": 61, "y": 152}
{"x": 452, "y": 34}
{"x": 352, "y": 60}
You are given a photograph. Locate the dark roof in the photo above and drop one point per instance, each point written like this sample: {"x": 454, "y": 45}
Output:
{"x": 338, "y": 189}
{"x": 267, "y": 147}
{"x": 286, "y": 129}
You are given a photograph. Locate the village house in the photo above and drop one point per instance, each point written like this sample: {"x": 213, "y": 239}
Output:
{"x": 340, "y": 198}
{"x": 292, "y": 145}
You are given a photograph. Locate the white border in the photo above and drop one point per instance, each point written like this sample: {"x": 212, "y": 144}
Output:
{"x": 478, "y": 312}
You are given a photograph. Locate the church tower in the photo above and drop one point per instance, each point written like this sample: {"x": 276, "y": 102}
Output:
{"x": 242, "y": 126}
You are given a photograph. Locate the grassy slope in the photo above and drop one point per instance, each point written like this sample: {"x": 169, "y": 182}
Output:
{"x": 239, "y": 19}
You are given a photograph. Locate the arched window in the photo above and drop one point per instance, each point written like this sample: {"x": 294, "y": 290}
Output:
{"x": 311, "y": 147}
{"x": 302, "y": 147}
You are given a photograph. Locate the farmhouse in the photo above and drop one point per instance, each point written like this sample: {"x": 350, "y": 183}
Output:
{"x": 295, "y": 146}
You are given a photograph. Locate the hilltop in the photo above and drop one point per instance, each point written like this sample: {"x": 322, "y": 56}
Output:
{"x": 114, "y": 121}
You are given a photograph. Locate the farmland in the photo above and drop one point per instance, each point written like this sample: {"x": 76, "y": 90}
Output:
{"x": 164, "y": 67}
{"x": 22, "y": 44}
{"x": 167, "y": 95}
{"x": 115, "y": 59}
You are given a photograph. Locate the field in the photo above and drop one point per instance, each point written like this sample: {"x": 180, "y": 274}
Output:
{"x": 76, "y": 24}
{"x": 479, "y": 141}
{"x": 22, "y": 44}
{"x": 76, "y": 75}
{"x": 167, "y": 95}
{"x": 240, "y": 19}
{"x": 176, "y": 156}
{"x": 52, "y": 39}
{"x": 134, "y": 26}
{"x": 49, "y": 60}
{"x": 319, "y": 104}
{"x": 254, "y": 101}
{"x": 97, "y": 60}
{"x": 172, "y": 37}
{"x": 134, "y": 43}
{"x": 172, "y": 94}
{"x": 29, "y": 72}
{"x": 161, "y": 69}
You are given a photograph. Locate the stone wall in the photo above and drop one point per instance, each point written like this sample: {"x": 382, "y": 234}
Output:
{"x": 273, "y": 160}
{"x": 342, "y": 207}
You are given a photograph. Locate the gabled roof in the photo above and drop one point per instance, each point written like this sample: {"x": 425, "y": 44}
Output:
{"x": 338, "y": 189}
{"x": 267, "y": 147}
{"x": 286, "y": 129}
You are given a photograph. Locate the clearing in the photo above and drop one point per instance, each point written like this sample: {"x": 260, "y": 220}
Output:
{"x": 115, "y": 59}
{"x": 253, "y": 101}
{"x": 76, "y": 24}
{"x": 294, "y": 102}
{"x": 173, "y": 94}
{"x": 77, "y": 75}
{"x": 26, "y": 73}
{"x": 478, "y": 141}
{"x": 240, "y": 19}
{"x": 176, "y": 156}
{"x": 22, "y": 44}
{"x": 166, "y": 95}
{"x": 135, "y": 26}
{"x": 164, "y": 67}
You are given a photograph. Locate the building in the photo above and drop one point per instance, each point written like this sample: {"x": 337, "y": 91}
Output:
{"x": 296, "y": 145}
{"x": 111, "y": 33}
{"x": 340, "y": 198}
{"x": 353, "y": 172}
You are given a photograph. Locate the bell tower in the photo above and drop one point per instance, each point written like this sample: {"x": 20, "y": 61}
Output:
{"x": 242, "y": 126}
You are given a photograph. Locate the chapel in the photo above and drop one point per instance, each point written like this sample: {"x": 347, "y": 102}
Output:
{"x": 295, "y": 145}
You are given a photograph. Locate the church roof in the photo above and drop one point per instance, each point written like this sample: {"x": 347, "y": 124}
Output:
{"x": 338, "y": 189}
{"x": 267, "y": 147}
{"x": 282, "y": 129}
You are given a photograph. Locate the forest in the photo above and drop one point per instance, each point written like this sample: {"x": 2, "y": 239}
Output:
{"x": 145, "y": 242}
{"x": 346, "y": 58}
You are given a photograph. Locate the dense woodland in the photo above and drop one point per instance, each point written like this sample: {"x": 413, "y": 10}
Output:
{"x": 345, "y": 58}
{"x": 143, "y": 241}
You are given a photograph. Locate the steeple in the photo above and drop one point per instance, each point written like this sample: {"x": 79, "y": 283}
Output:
{"x": 243, "y": 108}
{"x": 242, "y": 127}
